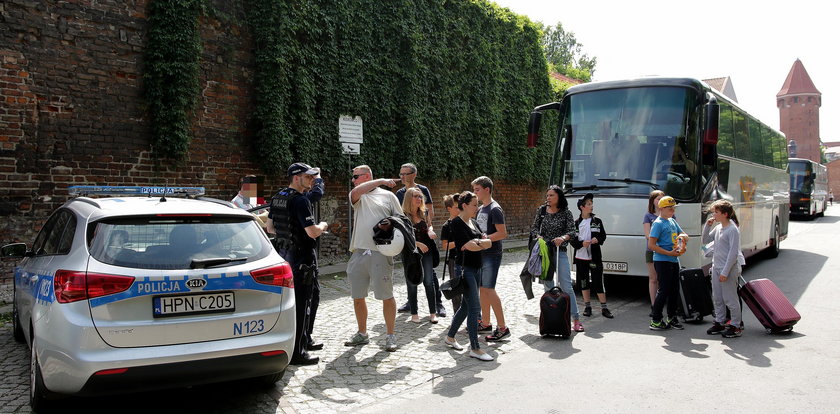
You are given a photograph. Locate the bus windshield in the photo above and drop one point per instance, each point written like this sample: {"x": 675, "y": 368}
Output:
{"x": 629, "y": 141}
{"x": 800, "y": 174}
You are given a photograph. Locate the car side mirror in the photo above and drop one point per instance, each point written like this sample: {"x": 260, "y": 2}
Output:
{"x": 14, "y": 251}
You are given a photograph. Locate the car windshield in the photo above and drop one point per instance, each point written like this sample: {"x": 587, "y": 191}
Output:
{"x": 177, "y": 242}
{"x": 629, "y": 141}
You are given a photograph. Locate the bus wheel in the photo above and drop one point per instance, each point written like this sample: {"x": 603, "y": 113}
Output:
{"x": 773, "y": 251}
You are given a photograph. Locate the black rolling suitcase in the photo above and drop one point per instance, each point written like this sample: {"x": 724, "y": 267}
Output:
{"x": 555, "y": 313}
{"x": 695, "y": 300}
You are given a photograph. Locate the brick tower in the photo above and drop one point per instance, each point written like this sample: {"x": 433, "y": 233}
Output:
{"x": 799, "y": 104}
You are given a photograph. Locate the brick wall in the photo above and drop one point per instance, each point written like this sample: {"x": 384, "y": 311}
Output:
{"x": 799, "y": 119}
{"x": 71, "y": 113}
{"x": 834, "y": 178}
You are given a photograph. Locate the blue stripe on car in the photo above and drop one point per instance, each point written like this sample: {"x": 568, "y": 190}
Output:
{"x": 145, "y": 286}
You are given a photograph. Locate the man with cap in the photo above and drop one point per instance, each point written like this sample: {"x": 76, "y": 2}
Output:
{"x": 667, "y": 241}
{"x": 292, "y": 220}
{"x": 367, "y": 267}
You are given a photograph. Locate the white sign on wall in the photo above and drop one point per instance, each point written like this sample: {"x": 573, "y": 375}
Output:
{"x": 349, "y": 148}
{"x": 350, "y": 129}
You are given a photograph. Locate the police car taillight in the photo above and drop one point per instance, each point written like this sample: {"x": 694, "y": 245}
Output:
{"x": 280, "y": 275}
{"x": 72, "y": 286}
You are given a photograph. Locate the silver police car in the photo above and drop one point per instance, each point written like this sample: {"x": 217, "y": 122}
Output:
{"x": 133, "y": 293}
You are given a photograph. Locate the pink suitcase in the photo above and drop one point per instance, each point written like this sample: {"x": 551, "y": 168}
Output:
{"x": 769, "y": 305}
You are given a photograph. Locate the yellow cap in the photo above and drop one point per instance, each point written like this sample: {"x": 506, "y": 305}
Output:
{"x": 667, "y": 201}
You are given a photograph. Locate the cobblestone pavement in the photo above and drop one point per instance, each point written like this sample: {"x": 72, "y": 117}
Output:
{"x": 348, "y": 378}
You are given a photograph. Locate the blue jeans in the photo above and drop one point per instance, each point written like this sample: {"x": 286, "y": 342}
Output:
{"x": 428, "y": 284}
{"x": 564, "y": 279}
{"x": 470, "y": 307}
{"x": 490, "y": 264}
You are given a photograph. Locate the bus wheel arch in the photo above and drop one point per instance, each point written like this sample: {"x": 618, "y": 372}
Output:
{"x": 773, "y": 250}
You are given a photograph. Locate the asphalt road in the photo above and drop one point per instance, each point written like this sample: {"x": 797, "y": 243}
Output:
{"x": 617, "y": 365}
{"x": 624, "y": 367}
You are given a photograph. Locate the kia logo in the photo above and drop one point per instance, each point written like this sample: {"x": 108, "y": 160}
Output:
{"x": 196, "y": 283}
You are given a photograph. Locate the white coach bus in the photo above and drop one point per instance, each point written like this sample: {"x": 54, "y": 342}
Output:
{"x": 622, "y": 139}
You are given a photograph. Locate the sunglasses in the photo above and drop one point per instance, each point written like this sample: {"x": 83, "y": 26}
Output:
{"x": 356, "y": 176}
{"x": 404, "y": 174}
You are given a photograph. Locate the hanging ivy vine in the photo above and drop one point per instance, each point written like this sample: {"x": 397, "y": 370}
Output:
{"x": 447, "y": 84}
{"x": 171, "y": 75}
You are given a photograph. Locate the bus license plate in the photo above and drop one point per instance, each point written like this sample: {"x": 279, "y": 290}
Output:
{"x": 193, "y": 304}
{"x": 615, "y": 266}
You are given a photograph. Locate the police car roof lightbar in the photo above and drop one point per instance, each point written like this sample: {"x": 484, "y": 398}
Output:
{"x": 116, "y": 190}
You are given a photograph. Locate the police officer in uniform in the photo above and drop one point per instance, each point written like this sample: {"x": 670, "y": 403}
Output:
{"x": 292, "y": 219}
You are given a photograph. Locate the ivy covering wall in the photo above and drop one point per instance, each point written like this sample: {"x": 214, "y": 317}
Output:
{"x": 171, "y": 55}
{"x": 446, "y": 84}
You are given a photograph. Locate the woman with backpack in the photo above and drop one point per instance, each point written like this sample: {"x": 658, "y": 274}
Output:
{"x": 554, "y": 224}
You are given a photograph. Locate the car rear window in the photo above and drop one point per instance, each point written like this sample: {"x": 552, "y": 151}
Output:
{"x": 176, "y": 242}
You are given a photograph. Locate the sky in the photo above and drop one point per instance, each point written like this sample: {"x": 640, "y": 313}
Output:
{"x": 755, "y": 43}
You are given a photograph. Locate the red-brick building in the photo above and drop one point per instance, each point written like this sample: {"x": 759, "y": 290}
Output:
{"x": 799, "y": 104}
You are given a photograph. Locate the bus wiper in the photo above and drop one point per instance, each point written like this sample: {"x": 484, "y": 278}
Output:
{"x": 594, "y": 187}
{"x": 212, "y": 262}
{"x": 653, "y": 185}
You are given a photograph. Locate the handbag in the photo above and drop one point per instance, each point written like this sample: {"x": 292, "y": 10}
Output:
{"x": 535, "y": 260}
{"x": 455, "y": 285}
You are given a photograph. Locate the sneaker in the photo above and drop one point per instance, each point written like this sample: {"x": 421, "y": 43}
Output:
{"x": 454, "y": 344}
{"x": 587, "y": 311}
{"x": 357, "y": 339}
{"x": 606, "y": 313}
{"x": 481, "y": 357}
{"x": 484, "y": 328}
{"x": 498, "y": 335}
{"x": 391, "y": 342}
{"x": 441, "y": 311}
{"x": 675, "y": 323}
{"x": 404, "y": 308}
{"x": 658, "y": 326}
{"x": 715, "y": 329}
{"x": 577, "y": 327}
{"x": 731, "y": 332}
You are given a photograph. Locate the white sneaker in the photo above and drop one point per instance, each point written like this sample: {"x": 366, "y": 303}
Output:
{"x": 391, "y": 342}
{"x": 483, "y": 357}
{"x": 454, "y": 344}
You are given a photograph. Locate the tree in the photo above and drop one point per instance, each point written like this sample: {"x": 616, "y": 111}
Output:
{"x": 564, "y": 54}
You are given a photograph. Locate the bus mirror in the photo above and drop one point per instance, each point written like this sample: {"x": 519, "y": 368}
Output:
{"x": 711, "y": 123}
{"x": 534, "y": 123}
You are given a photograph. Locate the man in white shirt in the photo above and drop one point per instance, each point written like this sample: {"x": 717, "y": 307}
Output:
{"x": 367, "y": 266}
{"x": 247, "y": 190}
